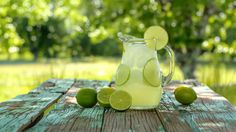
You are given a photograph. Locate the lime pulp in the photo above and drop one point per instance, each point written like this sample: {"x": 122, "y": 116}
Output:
{"x": 103, "y": 96}
{"x": 120, "y": 100}
{"x": 122, "y": 75}
{"x": 156, "y": 37}
{"x": 151, "y": 73}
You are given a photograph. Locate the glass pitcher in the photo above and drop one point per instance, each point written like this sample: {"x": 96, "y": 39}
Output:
{"x": 139, "y": 72}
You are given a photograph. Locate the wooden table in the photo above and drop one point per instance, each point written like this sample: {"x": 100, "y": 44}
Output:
{"x": 52, "y": 107}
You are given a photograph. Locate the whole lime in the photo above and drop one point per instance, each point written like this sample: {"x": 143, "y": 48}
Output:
{"x": 185, "y": 95}
{"x": 86, "y": 97}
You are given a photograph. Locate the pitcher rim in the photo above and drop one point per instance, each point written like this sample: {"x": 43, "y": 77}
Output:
{"x": 130, "y": 39}
{"x": 139, "y": 40}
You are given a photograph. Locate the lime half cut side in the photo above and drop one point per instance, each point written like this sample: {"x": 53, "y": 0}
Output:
{"x": 156, "y": 37}
{"x": 120, "y": 100}
{"x": 151, "y": 72}
{"x": 103, "y": 96}
{"x": 122, "y": 75}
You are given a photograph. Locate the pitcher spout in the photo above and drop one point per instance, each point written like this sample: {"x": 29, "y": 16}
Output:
{"x": 124, "y": 37}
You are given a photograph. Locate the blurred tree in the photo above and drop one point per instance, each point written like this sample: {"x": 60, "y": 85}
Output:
{"x": 194, "y": 27}
{"x": 72, "y": 28}
{"x": 9, "y": 38}
{"x": 47, "y": 28}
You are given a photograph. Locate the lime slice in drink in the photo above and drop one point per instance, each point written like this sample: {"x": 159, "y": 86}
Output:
{"x": 151, "y": 72}
{"x": 185, "y": 95}
{"x": 120, "y": 100}
{"x": 86, "y": 97}
{"x": 122, "y": 74}
{"x": 156, "y": 37}
{"x": 103, "y": 97}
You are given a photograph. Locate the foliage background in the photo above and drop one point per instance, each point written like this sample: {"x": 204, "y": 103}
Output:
{"x": 201, "y": 32}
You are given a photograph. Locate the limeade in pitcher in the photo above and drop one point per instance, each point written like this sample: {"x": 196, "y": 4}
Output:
{"x": 139, "y": 73}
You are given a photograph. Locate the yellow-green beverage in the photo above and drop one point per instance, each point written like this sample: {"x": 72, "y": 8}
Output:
{"x": 139, "y": 73}
{"x": 135, "y": 56}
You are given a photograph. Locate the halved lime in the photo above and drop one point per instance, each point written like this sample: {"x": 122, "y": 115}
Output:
{"x": 156, "y": 37}
{"x": 86, "y": 97}
{"x": 122, "y": 74}
{"x": 185, "y": 95}
{"x": 151, "y": 72}
{"x": 120, "y": 100}
{"x": 103, "y": 96}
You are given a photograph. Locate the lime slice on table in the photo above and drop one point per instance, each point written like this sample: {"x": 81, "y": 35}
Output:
{"x": 86, "y": 97}
{"x": 120, "y": 100}
{"x": 185, "y": 95}
{"x": 151, "y": 72}
{"x": 103, "y": 96}
{"x": 122, "y": 74}
{"x": 156, "y": 37}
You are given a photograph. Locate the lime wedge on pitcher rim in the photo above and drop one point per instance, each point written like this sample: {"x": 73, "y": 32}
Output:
{"x": 151, "y": 72}
{"x": 120, "y": 100}
{"x": 156, "y": 37}
{"x": 103, "y": 96}
{"x": 122, "y": 74}
{"x": 86, "y": 97}
{"x": 185, "y": 95}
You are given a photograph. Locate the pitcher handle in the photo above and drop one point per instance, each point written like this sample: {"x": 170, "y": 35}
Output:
{"x": 167, "y": 79}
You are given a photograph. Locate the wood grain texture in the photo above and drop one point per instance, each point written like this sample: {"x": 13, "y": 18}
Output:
{"x": 71, "y": 118}
{"x": 210, "y": 112}
{"x": 67, "y": 115}
{"x": 23, "y": 111}
{"x": 18, "y": 113}
{"x": 54, "y": 86}
{"x": 131, "y": 120}
{"x": 91, "y": 84}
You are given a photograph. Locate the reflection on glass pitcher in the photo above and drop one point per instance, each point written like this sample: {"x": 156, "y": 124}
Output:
{"x": 140, "y": 74}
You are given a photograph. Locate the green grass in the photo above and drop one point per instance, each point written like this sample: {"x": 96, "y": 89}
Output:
{"x": 227, "y": 91}
{"x": 19, "y": 77}
{"x": 216, "y": 73}
{"x": 220, "y": 76}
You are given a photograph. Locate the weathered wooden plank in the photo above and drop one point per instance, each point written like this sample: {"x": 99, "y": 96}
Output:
{"x": 91, "y": 83}
{"x": 54, "y": 86}
{"x": 71, "y": 118}
{"x": 212, "y": 121}
{"x": 19, "y": 112}
{"x": 210, "y": 112}
{"x": 207, "y": 100}
{"x": 69, "y": 97}
{"x": 68, "y": 116}
{"x": 131, "y": 120}
{"x": 116, "y": 121}
{"x": 198, "y": 121}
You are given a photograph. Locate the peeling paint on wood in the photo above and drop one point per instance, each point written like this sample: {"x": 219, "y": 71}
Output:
{"x": 16, "y": 114}
{"x": 54, "y": 86}
{"x": 69, "y": 97}
{"x": 69, "y": 116}
{"x": 210, "y": 112}
{"x": 131, "y": 120}
{"x": 91, "y": 84}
